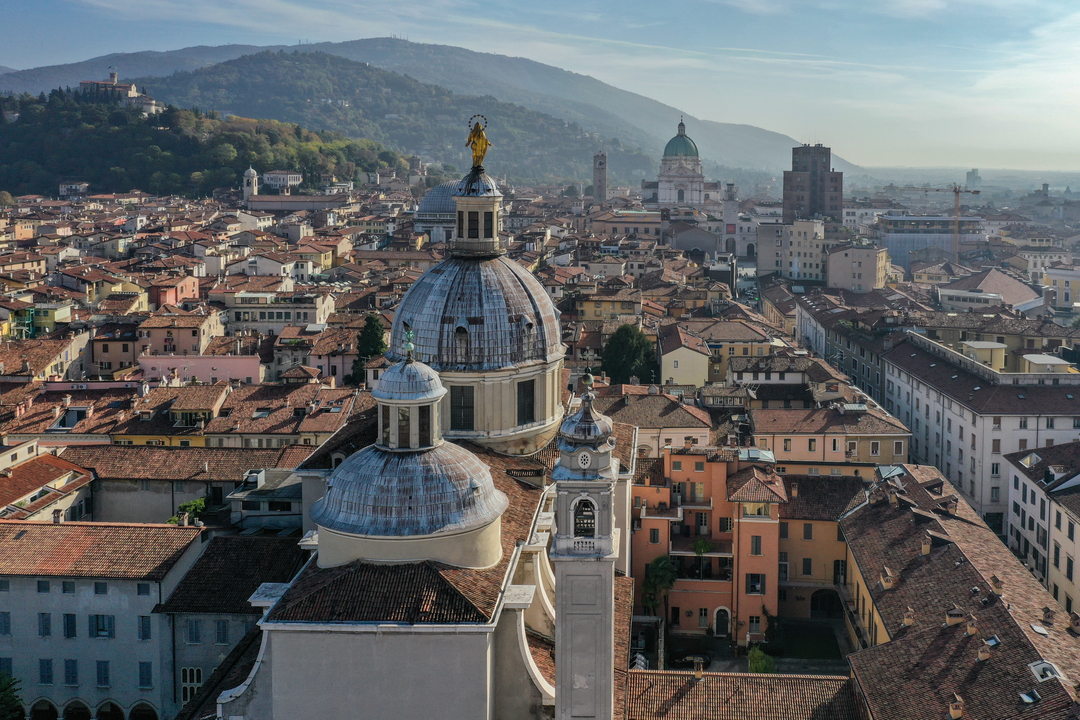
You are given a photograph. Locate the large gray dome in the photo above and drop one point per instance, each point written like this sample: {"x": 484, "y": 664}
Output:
{"x": 386, "y": 494}
{"x": 472, "y": 315}
{"x": 439, "y": 200}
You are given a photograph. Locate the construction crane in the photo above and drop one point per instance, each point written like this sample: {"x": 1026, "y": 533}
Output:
{"x": 956, "y": 190}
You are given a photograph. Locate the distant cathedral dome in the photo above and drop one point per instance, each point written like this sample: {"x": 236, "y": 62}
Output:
{"x": 681, "y": 145}
{"x": 439, "y": 200}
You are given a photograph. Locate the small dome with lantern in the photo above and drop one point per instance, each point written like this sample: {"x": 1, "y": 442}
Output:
{"x": 587, "y": 426}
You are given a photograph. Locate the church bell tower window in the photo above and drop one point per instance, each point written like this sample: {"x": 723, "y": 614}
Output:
{"x": 584, "y": 520}
{"x": 474, "y": 225}
{"x": 489, "y": 224}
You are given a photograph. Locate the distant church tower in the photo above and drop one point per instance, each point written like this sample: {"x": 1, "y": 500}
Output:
{"x": 599, "y": 176}
{"x": 251, "y": 183}
{"x": 583, "y": 552}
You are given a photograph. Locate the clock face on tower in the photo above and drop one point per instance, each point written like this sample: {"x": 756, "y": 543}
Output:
{"x": 599, "y": 163}
{"x": 584, "y": 460}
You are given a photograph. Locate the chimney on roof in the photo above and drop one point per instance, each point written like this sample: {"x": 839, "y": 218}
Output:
{"x": 954, "y": 615}
{"x": 909, "y": 617}
{"x": 972, "y": 625}
{"x": 182, "y": 519}
{"x": 57, "y": 516}
{"x": 1048, "y": 615}
{"x": 984, "y": 652}
{"x": 888, "y": 578}
{"x": 956, "y": 707}
{"x": 927, "y": 543}
{"x": 996, "y": 584}
{"x": 56, "y": 412}
{"x": 67, "y": 401}
{"x": 26, "y": 367}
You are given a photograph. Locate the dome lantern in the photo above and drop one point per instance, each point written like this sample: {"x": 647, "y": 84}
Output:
{"x": 681, "y": 145}
{"x": 408, "y": 398}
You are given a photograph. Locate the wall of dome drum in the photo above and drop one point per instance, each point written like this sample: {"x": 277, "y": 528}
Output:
{"x": 478, "y": 548}
{"x": 428, "y": 496}
{"x": 496, "y": 407}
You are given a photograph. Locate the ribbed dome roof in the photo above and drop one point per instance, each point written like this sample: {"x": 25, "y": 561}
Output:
{"x": 476, "y": 183}
{"x": 439, "y": 200}
{"x": 409, "y": 381}
{"x": 681, "y": 145}
{"x": 387, "y": 494}
{"x": 471, "y": 315}
{"x": 587, "y": 425}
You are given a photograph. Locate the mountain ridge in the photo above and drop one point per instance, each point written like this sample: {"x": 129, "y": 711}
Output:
{"x": 574, "y": 97}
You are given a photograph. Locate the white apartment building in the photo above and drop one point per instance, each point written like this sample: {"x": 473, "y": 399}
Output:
{"x": 964, "y": 416}
{"x": 77, "y": 620}
{"x": 1044, "y": 513}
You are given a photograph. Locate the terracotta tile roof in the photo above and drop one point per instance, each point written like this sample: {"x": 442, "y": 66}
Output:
{"x": 673, "y": 337}
{"x": 39, "y": 353}
{"x": 102, "y": 550}
{"x": 989, "y": 399}
{"x": 272, "y": 409}
{"x": 928, "y": 661}
{"x": 722, "y": 696}
{"x": 821, "y": 497}
{"x": 177, "y": 463}
{"x": 542, "y": 650}
{"x": 651, "y": 411}
{"x": 827, "y": 420}
{"x": 34, "y": 474}
{"x": 229, "y": 570}
{"x": 756, "y": 485}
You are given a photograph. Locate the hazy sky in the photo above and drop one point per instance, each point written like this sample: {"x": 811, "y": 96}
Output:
{"x": 982, "y": 83}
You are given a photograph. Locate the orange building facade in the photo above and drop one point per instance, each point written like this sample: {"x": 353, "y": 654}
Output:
{"x": 747, "y": 543}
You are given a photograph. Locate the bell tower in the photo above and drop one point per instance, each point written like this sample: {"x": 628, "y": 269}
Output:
{"x": 599, "y": 177}
{"x": 251, "y": 183}
{"x": 584, "y": 551}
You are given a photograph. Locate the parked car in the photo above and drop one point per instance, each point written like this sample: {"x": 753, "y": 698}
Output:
{"x": 689, "y": 662}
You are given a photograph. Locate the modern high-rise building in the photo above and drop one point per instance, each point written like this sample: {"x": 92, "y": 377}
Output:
{"x": 811, "y": 187}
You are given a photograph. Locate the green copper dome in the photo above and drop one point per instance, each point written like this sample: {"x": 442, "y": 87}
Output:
{"x": 681, "y": 145}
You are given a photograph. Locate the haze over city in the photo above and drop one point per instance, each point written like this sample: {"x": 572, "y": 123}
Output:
{"x": 920, "y": 83}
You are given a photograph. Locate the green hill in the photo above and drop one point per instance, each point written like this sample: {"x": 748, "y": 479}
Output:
{"x": 318, "y": 90}
{"x": 115, "y": 149}
{"x": 595, "y": 106}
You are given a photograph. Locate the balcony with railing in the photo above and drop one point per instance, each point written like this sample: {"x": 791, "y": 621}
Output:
{"x": 703, "y": 568}
{"x": 719, "y": 545}
{"x": 852, "y": 617}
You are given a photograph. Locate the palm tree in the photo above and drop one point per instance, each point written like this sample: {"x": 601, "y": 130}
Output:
{"x": 660, "y": 577}
{"x": 701, "y": 546}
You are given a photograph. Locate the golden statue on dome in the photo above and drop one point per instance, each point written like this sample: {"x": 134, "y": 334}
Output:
{"x": 478, "y": 141}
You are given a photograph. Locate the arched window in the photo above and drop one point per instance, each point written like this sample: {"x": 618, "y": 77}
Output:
{"x": 461, "y": 344}
{"x": 584, "y": 519}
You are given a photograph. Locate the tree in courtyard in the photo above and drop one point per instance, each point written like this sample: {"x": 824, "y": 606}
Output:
{"x": 701, "y": 546}
{"x": 629, "y": 352}
{"x": 10, "y": 703}
{"x": 660, "y": 577}
{"x": 760, "y": 661}
{"x": 370, "y": 342}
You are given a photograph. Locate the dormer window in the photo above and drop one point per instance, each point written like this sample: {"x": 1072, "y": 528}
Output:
{"x": 584, "y": 519}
